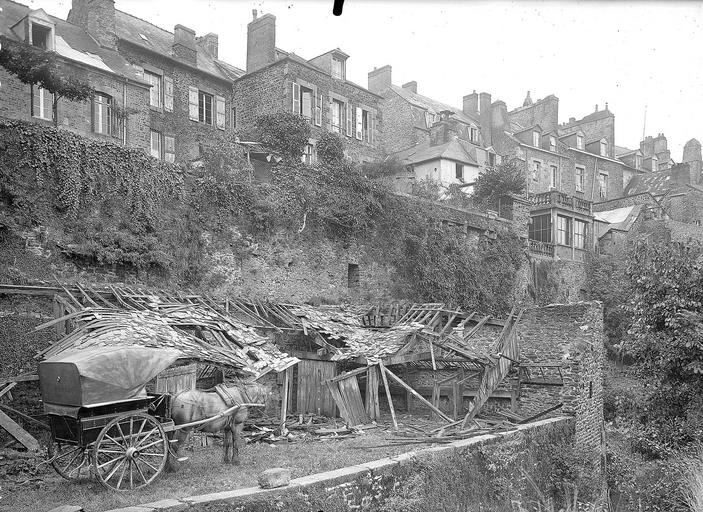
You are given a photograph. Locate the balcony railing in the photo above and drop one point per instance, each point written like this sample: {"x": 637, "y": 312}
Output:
{"x": 542, "y": 248}
{"x": 563, "y": 200}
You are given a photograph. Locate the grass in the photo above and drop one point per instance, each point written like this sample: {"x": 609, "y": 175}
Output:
{"x": 203, "y": 473}
{"x": 693, "y": 481}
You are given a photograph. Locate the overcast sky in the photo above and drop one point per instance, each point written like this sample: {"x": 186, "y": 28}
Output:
{"x": 628, "y": 54}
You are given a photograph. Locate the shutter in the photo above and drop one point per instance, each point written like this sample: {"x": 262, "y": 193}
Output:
{"x": 168, "y": 93}
{"x": 330, "y": 106}
{"x": 318, "y": 110}
{"x": 372, "y": 129}
{"x": 349, "y": 120}
{"x": 193, "y": 103}
{"x": 220, "y": 105}
{"x": 359, "y": 128}
{"x": 295, "y": 98}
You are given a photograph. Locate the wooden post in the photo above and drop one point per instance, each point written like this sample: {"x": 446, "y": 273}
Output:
{"x": 435, "y": 395}
{"x": 372, "y": 406}
{"x": 415, "y": 393}
{"x": 388, "y": 393}
{"x": 285, "y": 392}
{"x": 408, "y": 396}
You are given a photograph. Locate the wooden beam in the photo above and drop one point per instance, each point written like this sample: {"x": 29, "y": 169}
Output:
{"x": 19, "y": 433}
{"x": 7, "y": 389}
{"x": 284, "y": 402}
{"x": 416, "y": 394}
{"x": 388, "y": 393}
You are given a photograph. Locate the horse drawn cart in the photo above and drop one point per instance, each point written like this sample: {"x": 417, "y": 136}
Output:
{"x": 103, "y": 422}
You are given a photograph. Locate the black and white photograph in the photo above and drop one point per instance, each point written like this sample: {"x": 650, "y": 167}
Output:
{"x": 351, "y": 256}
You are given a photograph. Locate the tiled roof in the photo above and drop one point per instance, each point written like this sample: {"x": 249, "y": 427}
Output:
{"x": 72, "y": 42}
{"x": 130, "y": 28}
{"x": 457, "y": 149}
{"x": 656, "y": 183}
{"x": 433, "y": 106}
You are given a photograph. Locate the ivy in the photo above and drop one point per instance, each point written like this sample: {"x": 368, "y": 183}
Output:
{"x": 505, "y": 179}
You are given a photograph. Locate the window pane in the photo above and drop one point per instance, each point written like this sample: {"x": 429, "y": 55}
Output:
{"x": 102, "y": 114}
{"x": 155, "y": 92}
{"x": 541, "y": 228}
{"x": 306, "y": 103}
{"x": 155, "y": 144}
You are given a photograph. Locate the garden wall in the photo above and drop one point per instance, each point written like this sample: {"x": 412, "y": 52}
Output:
{"x": 487, "y": 473}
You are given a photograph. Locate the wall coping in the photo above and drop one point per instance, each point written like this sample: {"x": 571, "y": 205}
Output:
{"x": 334, "y": 477}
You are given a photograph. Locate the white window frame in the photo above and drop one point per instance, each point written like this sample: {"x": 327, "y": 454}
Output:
{"x": 169, "y": 153}
{"x": 338, "y": 128}
{"x": 49, "y": 38}
{"x": 603, "y": 148}
{"x": 553, "y": 175}
{"x": 579, "y": 142}
{"x": 536, "y": 169}
{"x": 564, "y": 227}
{"x": 202, "y": 113}
{"x": 101, "y": 109}
{"x": 580, "y": 238}
{"x": 602, "y": 185}
{"x": 579, "y": 178}
{"x": 459, "y": 171}
{"x": 156, "y": 90}
{"x": 552, "y": 143}
{"x": 157, "y": 151}
{"x": 341, "y": 75}
{"x": 42, "y": 95}
{"x": 535, "y": 139}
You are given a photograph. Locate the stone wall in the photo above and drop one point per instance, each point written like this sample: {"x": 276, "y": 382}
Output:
{"x": 483, "y": 472}
{"x": 188, "y": 134}
{"x": 76, "y": 116}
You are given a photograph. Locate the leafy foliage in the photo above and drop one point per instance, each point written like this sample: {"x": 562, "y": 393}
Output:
{"x": 505, "y": 179}
{"x": 383, "y": 168}
{"x": 33, "y": 65}
{"x": 284, "y": 133}
{"x": 330, "y": 148}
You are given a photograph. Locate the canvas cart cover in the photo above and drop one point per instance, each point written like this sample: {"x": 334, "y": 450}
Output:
{"x": 100, "y": 375}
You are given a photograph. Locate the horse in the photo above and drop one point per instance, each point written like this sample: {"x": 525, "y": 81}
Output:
{"x": 194, "y": 405}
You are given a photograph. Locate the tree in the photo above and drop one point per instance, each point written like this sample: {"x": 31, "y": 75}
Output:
{"x": 35, "y": 66}
{"x": 283, "y": 133}
{"x": 504, "y": 179}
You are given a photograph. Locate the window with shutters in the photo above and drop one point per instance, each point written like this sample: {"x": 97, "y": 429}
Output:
{"x": 536, "y": 168}
{"x": 580, "y": 176}
{"x": 102, "y": 113}
{"x": 42, "y": 103}
{"x": 541, "y": 228}
{"x": 553, "y": 176}
{"x": 563, "y": 230}
{"x": 220, "y": 112}
{"x": 306, "y": 103}
{"x": 318, "y": 110}
{"x": 364, "y": 125}
{"x": 156, "y": 88}
{"x": 579, "y": 234}
{"x": 169, "y": 148}
{"x": 337, "y": 68}
{"x": 337, "y": 116}
{"x": 349, "y": 120}
{"x": 168, "y": 94}
{"x": 603, "y": 185}
{"x": 156, "y": 144}
{"x": 205, "y": 101}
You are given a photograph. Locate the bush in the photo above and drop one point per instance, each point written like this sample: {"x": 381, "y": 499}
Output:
{"x": 506, "y": 179}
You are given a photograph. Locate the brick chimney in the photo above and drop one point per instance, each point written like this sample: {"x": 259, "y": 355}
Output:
{"x": 445, "y": 130}
{"x": 184, "y": 44}
{"x": 97, "y": 17}
{"x": 471, "y": 104}
{"x": 380, "y": 79}
{"x": 209, "y": 43}
{"x": 411, "y": 86}
{"x": 261, "y": 41}
{"x": 484, "y": 100}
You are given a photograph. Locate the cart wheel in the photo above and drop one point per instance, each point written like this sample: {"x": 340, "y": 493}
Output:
{"x": 69, "y": 460}
{"x": 130, "y": 452}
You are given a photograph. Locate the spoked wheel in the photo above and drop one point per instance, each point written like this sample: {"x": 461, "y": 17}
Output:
{"x": 69, "y": 460}
{"x": 130, "y": 452}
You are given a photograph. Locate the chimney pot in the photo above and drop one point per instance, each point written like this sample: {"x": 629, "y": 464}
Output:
{"x": 261, "y": 42}
{"x": 184, "y": 43}
{"x": 596, "y": 107}
{"x": 254, "y": 14}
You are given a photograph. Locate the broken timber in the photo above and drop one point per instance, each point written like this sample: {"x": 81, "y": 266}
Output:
{"x": 19, "y": 433}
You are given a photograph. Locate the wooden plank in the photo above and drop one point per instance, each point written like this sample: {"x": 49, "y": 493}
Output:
{"x": 7, "y": 389}
{"x": 350, "y": 373}
{"x": 349, "y": 389}
{"x": 284, "y": 401}
{"x": 19, "y": 433}
{"x": 416, "y": 394}
{"x": 388, "y": 394}
{"x": 25, "y": 377}
{"x": 25, "y": 417}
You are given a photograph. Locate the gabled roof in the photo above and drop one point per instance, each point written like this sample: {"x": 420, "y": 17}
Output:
{"x": 457, "y": 150}
{"x": 622, "y": 151}
{"x": 130, "y": 28}
{"x": 433, "y": 106}
{"x": 72, "y": 42}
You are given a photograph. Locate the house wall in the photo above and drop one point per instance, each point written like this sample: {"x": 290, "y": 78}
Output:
{"x": 399, "y": 131}
{"x": 444, "y": 171}
{"x": 685, "y": 207}
{"x": 188, "y": 134}
{"x": 270, "y": 90}
{"x": 76, "y": 116}
{"x": 544, "y": 112}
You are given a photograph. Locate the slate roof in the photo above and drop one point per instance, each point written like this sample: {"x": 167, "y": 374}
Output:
{"x": 72, "y": 42}
{"x": 622, "y": 151}
{"x": 457, "y": 149}
{"x": 129, "y": 28}
{"x": 433, "y": 106}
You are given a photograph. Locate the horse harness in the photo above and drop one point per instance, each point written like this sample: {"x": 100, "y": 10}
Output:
{"x": 229, "y": 400}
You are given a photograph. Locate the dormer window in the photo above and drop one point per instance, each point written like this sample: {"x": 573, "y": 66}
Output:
{"x": 552, "y": 143}
{"x": 603, "y": 148}
{"x": 338, "y": 66}
{"x": 579, "y": 142}
{"x": 42, "y": 37}
{"x": 638, "y": 162}
{"x": 535, "y": 139}
{"x": 473, "y": 134}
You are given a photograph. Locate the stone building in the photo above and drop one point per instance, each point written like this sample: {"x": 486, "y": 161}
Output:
{"x": 190, "y": 98}
{"x": 118, "y": 110}
{"x": 317, "y": 89}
